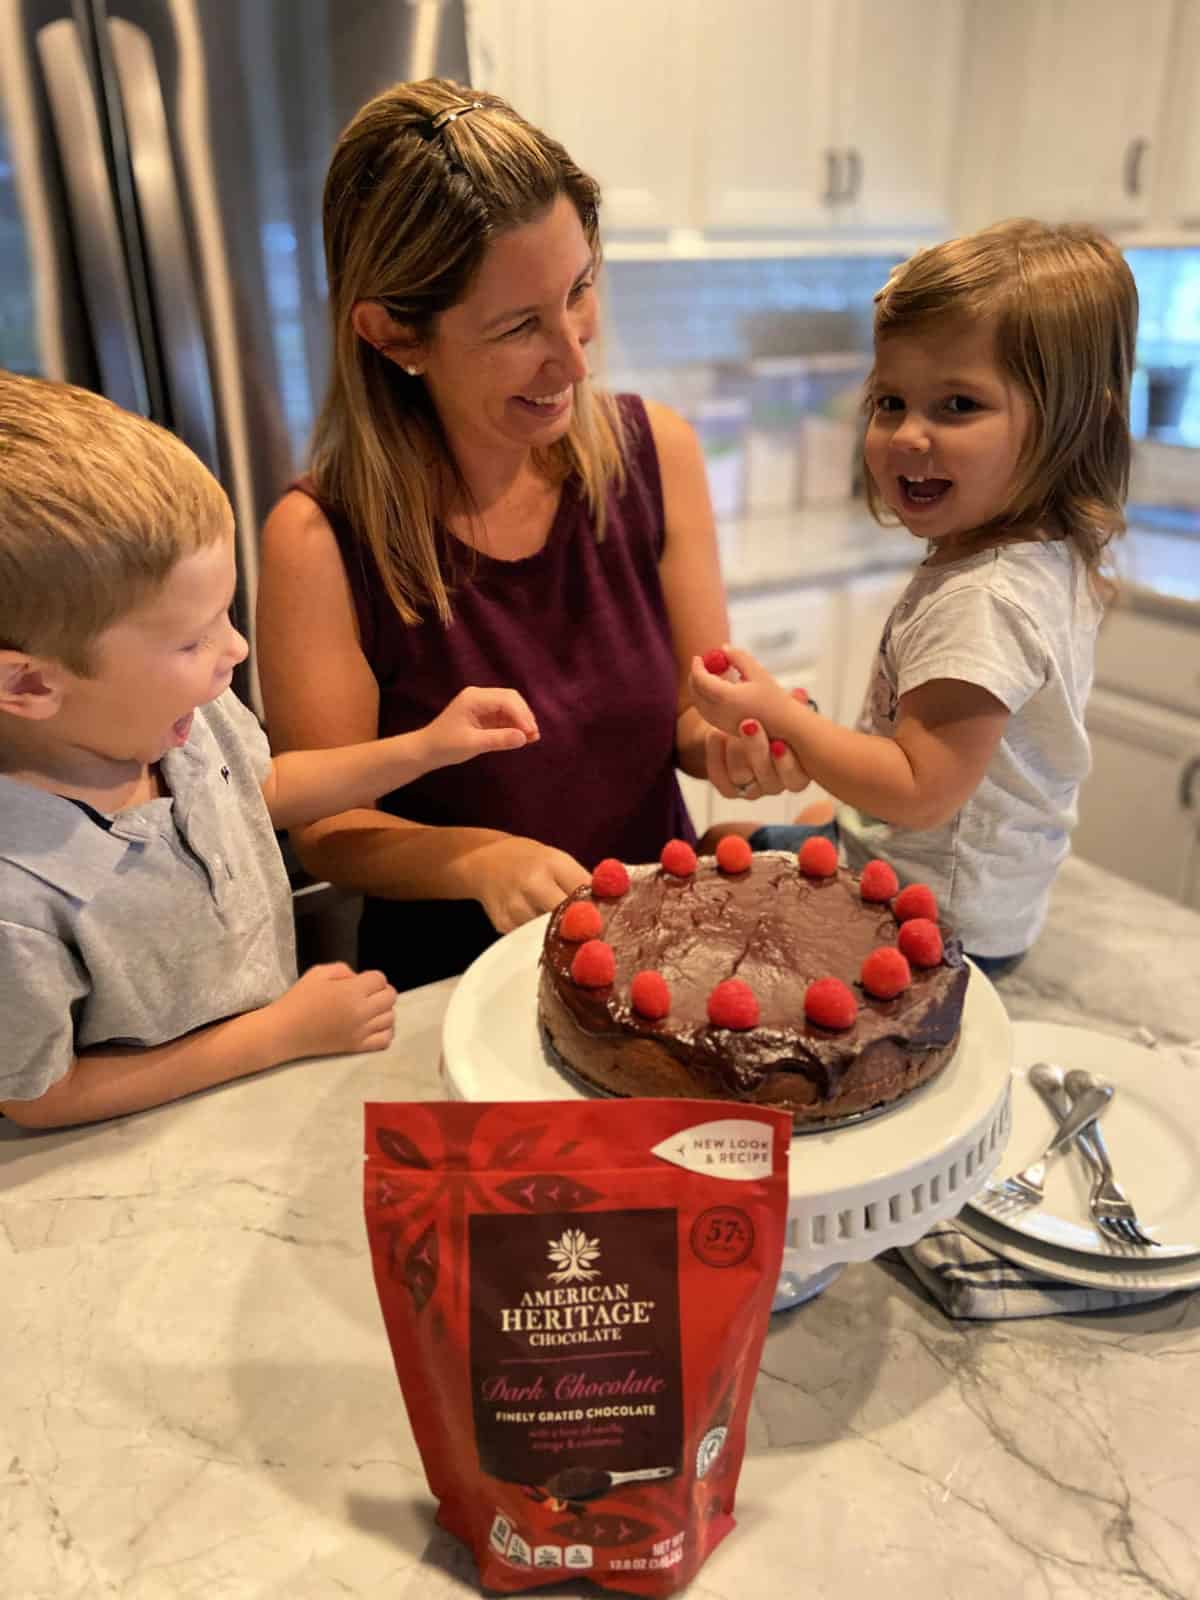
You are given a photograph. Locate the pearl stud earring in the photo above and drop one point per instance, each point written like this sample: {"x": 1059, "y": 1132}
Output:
{"x": 413, "y": 372}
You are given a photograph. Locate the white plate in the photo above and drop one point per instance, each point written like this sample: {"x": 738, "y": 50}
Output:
{"x": 1150, "y": 1129}
{"x": 1144, "y": 1272}
{"x": 853, "y": 1190}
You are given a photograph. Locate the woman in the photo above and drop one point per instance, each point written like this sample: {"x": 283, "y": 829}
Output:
{"x": 477, "y": 513}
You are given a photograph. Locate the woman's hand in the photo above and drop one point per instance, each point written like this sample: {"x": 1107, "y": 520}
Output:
{"x": 748, "y": 765}
{"x": 517, "y": 879}
{"x": 479, "y": 720}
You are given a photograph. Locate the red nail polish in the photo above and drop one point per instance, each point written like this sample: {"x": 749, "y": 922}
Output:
{"x": 749, "y": 728}
{"x": 799, "y": 694}
{"x": 778, "y": 748}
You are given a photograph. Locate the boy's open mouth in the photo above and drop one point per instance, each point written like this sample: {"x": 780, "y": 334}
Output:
{"x": 181, "y": 729}
{"x": 923, "y": 491}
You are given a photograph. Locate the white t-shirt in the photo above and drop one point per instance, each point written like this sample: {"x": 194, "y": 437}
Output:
{"x": 1020, "y": 621}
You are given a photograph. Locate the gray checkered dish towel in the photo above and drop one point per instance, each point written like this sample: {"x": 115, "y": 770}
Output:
{"x": 970, "y": 1281}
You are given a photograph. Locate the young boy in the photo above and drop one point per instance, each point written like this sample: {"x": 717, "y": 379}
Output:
{"x": 146, "y": 941}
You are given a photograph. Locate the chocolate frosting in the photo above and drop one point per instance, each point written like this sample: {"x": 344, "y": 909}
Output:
{"x": 775, "y": 929}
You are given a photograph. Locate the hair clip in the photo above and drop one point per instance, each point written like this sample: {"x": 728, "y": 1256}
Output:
{"x": 445, "y": 118}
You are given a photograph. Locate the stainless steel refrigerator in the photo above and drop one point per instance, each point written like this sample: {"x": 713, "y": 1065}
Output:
{"x": 161, "y": 165}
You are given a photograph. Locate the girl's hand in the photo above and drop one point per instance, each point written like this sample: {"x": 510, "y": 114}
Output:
{"x": 727, "y": 705}
{"x": 518, "y": 879}
{"x": 332, "y": 1010}
{"x": 477, "y": 721}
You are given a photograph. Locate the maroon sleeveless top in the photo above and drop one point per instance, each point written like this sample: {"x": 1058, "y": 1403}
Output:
{"x": 580, "y": 629}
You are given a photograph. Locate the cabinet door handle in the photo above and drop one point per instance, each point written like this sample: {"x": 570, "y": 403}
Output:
{"x": 1135, "y": 152}
{"x": 1187, "y": 779}
{"x": 854, "y": 161}
{"x": 832, "y": 179}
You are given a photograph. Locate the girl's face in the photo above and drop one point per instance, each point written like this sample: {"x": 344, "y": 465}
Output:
{"x": 946, "y": 431}
{"x": 502, "y": 365}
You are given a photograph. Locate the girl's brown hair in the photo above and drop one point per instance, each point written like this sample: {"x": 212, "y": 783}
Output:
{"x": 1065, "y": 309}
{"x": 409, "y": 213}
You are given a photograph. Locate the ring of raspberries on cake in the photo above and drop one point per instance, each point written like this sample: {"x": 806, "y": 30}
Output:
{"x": 785, "y": 981}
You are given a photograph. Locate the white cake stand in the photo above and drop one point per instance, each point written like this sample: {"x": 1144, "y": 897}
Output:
{"x": 854, "y": 1190}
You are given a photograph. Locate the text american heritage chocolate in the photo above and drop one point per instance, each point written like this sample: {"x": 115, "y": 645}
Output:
{"x": 576, "y": 1296}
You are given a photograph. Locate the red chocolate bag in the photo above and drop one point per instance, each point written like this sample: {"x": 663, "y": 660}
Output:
{"x": 576, "y": 1295}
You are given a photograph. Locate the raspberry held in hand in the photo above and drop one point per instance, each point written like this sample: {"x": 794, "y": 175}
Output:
{"x": 915, "y": 900}
{"x": 650, "y": 995}
{"x": 830, "y": 1004}
{"x": 580, "y": 921}
{"x": 734, "y": 854}
{"x": 716, "y": 662}
{"x": 921, "y": 941}
{"x": 733, "y": 1004}
{"x": 678, "y": 858}
{"x": 609, "y": 880}
{"x": 878, "y": 882}
{"x": 818, "y": 857}
{"x": 885, "y": 972}
{"x": 594, "y": 965}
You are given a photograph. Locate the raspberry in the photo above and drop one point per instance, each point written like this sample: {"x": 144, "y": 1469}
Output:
{"x": 609, "y": 880}
{"x": 581, "y": 920}
{"x": 915, "y": 900}
{"x": 650, "y": 995}
{"x": 830, "y": 1004}
{"x": 818, "y": 857}
{"x": 879, "y": 881}
{"x": 885, "y": 972}
{"x": 733, "y": 1004}
{"x": 594, "y": 966}
{"x": 678, "y": 858}
{"x": 716, "y": 662}
{"x": 921, "y": 941}
{"x": 734, "y": 853}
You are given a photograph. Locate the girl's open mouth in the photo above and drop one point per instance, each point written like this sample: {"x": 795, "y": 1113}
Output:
{"x": 921, "y": 492}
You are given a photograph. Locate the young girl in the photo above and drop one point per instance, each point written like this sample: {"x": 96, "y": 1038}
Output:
{"x": 998, "y": 433}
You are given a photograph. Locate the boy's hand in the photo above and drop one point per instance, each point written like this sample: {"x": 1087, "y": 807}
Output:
{"x": 479, "y": 720}
{"x": 333, "y": 1011}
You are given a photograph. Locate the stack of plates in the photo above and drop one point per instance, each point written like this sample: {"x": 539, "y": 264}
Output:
{"x": 1154, "y": 1141}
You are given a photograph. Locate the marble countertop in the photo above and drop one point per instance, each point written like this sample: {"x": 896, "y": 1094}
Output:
{"x": 197, "y": 1399}
{"x": 1159, "y": 571}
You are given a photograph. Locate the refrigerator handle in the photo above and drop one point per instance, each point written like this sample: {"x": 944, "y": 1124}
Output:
{"x": 168, "y": 254}
{"x": 106, "y": 288}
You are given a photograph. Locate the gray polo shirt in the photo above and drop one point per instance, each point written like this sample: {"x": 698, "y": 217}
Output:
{"x": 136, "y": 928}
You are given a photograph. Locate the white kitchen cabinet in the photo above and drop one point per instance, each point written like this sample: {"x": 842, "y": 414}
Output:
{"x": 1139, "y": 810}
{"x": 739, "y": 116}
{"x": 1065, "y": 99}
{"x": 765, "y": 129}
{"x": 868, "y": 603}
{"x": 898, "y": 72}
{"x": 1178, "y": 166}
{"x": 614, "y": 82}
{"x": 809, "y": 117}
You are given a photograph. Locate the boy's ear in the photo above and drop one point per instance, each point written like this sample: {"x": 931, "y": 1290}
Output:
{"x": 392, "y": 339}
{"x": 29, "y": 685}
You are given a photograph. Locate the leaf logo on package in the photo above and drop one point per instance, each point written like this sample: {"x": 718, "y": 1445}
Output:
{"x": 573, "y": 1255}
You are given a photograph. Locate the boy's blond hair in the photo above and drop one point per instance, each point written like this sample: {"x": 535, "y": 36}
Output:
{"x": 1065, "y": 309}
{"x": 96, "y": 507}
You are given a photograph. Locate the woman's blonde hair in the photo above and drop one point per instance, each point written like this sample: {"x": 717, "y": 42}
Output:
{"x": 410, "y": 210}
{"x": 1065, "y": 309}
{"x": 96, "y": 507}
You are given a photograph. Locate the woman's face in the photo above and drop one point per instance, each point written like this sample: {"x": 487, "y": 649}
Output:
{"x": 501, "y": 365}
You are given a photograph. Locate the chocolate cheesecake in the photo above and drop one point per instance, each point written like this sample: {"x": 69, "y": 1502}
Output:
{"x": 778, "y": 930}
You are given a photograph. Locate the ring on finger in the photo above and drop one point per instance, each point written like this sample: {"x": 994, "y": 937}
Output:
{"x": 744, "y": 788}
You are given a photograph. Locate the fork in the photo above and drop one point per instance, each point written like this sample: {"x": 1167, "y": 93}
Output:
{"x": 1027, "y": 1187}
{"x": 1111, "y": 1209}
